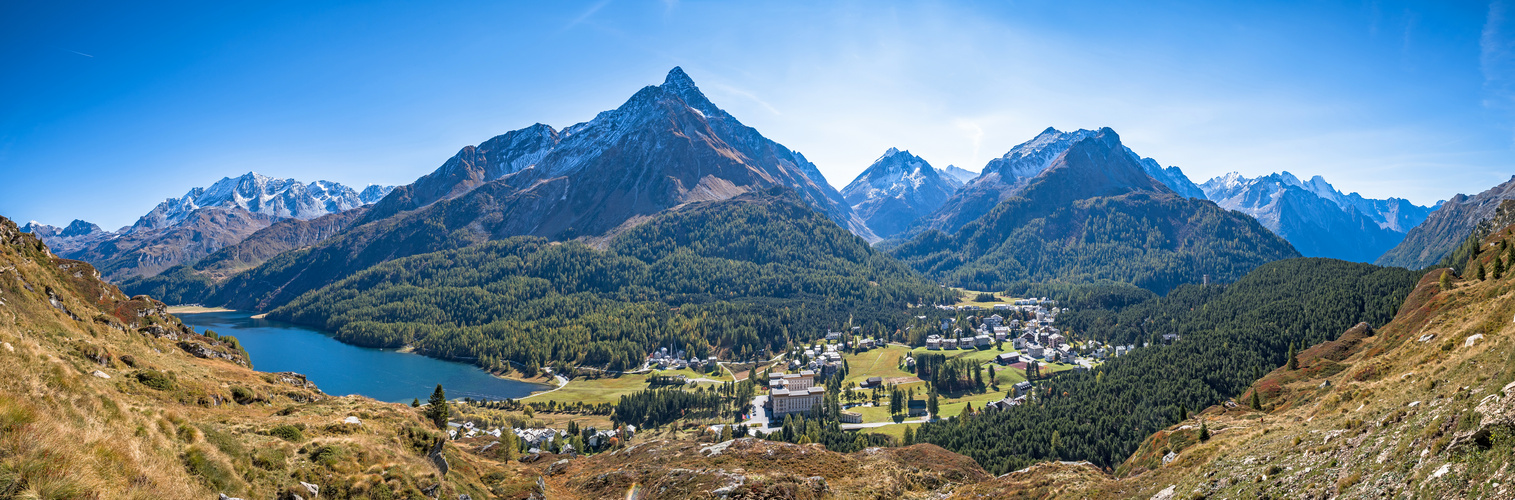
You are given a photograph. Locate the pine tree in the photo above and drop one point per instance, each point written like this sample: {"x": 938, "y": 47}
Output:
{"x": 909, "y": 437}
{"x": 1293, "y": 363}
{"x": 1204, "y": 432}
{"x": 1446, "y": 280}
{"x": 415, "y": 403}
{"x": 436, "y": 408}
{"x": 1481, "y": 275}
{"x": 931, "y": 403}
{"x": 725, "y": 433}
{"x": 1256, "y": 401}
{"x": 1498, "y": 268}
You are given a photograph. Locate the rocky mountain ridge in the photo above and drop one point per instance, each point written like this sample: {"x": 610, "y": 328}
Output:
{"x": 1317, "y": 219}
{"x": 897, "y": 189}
{"x": 204, "y": 220}
{"x": 1446, "y": 227}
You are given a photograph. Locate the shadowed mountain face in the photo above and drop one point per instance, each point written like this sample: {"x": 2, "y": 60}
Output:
{"x": 1316, "y": 225}
{"x": 1445, "y": 228}
{"x": 666, "y": 146}
{"x": 897, "y": 189}
{"x": 1095, "y": 213}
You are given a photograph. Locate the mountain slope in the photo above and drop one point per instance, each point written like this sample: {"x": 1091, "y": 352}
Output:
{"x": 182, "y": 230}
{"x": 897, "y": 189}
{"x": 1317, "y": 226}
{"x": 105, "y": 396}
{"x": 741, "y": 276}
{"x": 1005, "y": 176}
{"x": 191, "y": 283}
{"x": 666, "y": 146}
{"x": 1094, "y": 213}
{"x": 1446, "y": 227}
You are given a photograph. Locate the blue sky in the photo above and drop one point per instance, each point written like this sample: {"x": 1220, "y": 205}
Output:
{"x": 107, "y": 109}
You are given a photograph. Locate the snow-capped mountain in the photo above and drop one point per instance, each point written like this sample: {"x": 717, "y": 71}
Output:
{"x": 65, "y": 241}
{"x": 1319, "y": 220}
{"x": 184, "y": 229}
{"x": 261, "y": 194}
{"x": 961, "y": 175}
{"x": 1004, "y": 176}
{"x": 897, "y": 189}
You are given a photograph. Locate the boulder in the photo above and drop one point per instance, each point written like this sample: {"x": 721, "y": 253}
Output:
{"x": 437, "y": 459}
{"x": 100, "y": 374}
{"x": 315, "y": 491}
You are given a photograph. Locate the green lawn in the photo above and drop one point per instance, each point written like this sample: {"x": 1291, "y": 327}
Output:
{"x": 594, "y": 391}
{"x": 896, "y": 430}
{"x": 987, "y": 354}
{"x": 881, "y": 362}
{"x": 719, "y": 375}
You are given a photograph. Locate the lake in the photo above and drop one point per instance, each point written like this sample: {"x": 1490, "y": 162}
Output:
{"x": 342, "y": 369}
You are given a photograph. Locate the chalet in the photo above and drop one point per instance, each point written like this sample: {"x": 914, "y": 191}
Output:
{"x": 1008, "y": 358}
{"x": 873, "y": 382}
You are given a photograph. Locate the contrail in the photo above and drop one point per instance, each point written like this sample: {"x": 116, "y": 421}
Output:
{"x": 80, "y": 53}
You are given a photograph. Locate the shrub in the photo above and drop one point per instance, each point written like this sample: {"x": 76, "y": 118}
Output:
{"x": 243, "y": 395}
{"x": 155, "y": 379}
{"x": 270, "y": 458}
{"x": 199, "y": 463}
{"x": 288, "y": 433}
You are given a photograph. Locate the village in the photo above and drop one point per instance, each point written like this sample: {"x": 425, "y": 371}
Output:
{"x": 1014, "y": 340}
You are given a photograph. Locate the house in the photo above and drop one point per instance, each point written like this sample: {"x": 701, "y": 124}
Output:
{"x": 949, "y": 343}
{"x": 1019, "y": 342}
{"x": 933, "y": 342}
{"x": 1036, "y": 351}
{"x": 983, "y": 341}
{"x": 830, "y": 336}
{"x": 1056, "y": 340}
{"x": 873, "y": 382}
{"x": 1022, "y": 388}
{"x": 1169, "y": 338}
{"x": 1002, "y": 307}
{"x": 917, "y": 407}
{"x": 995, "y": 320}
{"x": 1007, "y": 358}
{"x": 849, "y": 417}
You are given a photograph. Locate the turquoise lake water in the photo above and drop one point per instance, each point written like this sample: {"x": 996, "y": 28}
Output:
{"x": 341, "y": 369}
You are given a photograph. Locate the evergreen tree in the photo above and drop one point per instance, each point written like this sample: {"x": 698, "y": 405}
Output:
{"x": 1446, "y": 280}
{"x": 909, "y": 437}
{"x": 1498, "y": 267}
{"x": 1293, "y": 363}
{"x": 931, "y": 403}
{"x": 1481, "y": 275}
{"x": 1256, "y": 401}
{"x": 436, "y": 408}
{"x": 415, "y": 403}
{"x": 1204, "y": 432}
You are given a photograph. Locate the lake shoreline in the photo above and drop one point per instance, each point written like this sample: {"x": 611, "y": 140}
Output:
{"x": 194, "y": 309}
{"x": 343, "y": 368}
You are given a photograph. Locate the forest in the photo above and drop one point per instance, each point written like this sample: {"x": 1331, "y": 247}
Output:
{"x": 1228, "y": 337}
{"x": 739, "y": 278}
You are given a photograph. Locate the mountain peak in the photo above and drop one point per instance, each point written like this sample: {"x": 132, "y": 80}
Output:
{"x": 677, "y": 78}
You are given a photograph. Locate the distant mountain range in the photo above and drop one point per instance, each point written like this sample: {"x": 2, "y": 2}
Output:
{"x": 1093, "y": 211}
{"x": 1319, "y": 220}
{"x": 182, "y": 230}
{"x": 1312, "y": 215}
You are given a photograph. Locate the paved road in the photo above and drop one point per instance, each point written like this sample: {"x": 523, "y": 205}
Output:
{"x": 848, "y": 427}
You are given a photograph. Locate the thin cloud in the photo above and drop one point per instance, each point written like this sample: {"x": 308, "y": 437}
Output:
{"x": 585, "y": 16}
{"x": 727, "y": 89}
{"x": 77, "y": 52}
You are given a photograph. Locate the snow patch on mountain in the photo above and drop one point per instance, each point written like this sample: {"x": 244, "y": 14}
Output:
{"x": 261, "y": 194}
